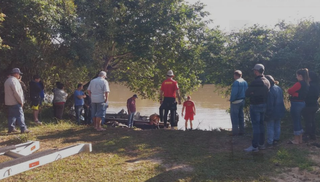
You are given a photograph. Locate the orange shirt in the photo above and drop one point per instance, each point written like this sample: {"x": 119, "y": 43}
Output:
{"x": 189, "y": 107}
{"x": 169, "y": 87}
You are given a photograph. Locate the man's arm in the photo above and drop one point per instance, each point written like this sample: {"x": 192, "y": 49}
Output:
{"x": 161, "y": 94}
{"x": 15, "y": 87}
{"x": 106, "y": 95}
{"x": 178, "y": 95}
{"x": 194, "y": 109}
{"x": 234, "y": 91}
{"x": 182, "y": 110}
{"x": 89, "y": 93}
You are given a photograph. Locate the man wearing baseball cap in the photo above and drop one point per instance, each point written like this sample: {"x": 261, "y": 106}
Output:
{"x": 169, "y": 90}
{"x": 258, "y": 93}
{"x": 14, "y": 100}
{"x": 131, "y": 107}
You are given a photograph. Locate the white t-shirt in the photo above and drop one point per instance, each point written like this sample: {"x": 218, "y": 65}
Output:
{"x": 98, "y": 87}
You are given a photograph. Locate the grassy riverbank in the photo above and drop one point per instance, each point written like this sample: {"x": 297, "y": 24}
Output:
{"x": 121, "y": 154}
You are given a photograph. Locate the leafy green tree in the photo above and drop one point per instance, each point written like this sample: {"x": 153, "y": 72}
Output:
{"x": 2, "y": 46}
{"x": 137, "y": 42}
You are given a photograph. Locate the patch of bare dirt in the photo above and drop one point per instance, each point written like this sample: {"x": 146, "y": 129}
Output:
{"x": 134, "y": 165}
{"x": 296, "y": 175}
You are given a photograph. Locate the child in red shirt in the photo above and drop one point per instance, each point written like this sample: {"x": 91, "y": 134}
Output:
{"x": 190, "y": 111}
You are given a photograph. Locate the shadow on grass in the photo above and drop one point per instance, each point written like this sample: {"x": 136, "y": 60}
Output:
{"x": 203, "y": 155}
{"x": 181, "y": 155}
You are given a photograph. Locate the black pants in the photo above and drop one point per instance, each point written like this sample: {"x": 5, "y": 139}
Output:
{"x": 168, "y": 104}
{"x": 58, "y": 109}
{"x": 309, "y": 114}
{"x": 87, "y": 115}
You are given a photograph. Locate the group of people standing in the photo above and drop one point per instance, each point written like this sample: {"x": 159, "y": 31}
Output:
{"x": 267, "y": 104}
{"x": 95, "y": 103}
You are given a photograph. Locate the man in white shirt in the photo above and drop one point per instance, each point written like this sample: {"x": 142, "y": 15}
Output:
{"x": 99, "y": 92}
{"x": 14, "y": 99}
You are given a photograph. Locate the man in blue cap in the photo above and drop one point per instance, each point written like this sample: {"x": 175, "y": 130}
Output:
{"x": 14, "y": 99}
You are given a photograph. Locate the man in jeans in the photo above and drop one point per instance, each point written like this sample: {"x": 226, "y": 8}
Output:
{"x": 258, "y": 93}
{"x": 131, "y": 107}
{"x": 14, "y": 99}
{"x": 79, "y": 101}
{"x": 99, "y": 92}
{"x": 237, "y": 102}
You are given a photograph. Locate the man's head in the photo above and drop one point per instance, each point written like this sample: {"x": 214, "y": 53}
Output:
{"x": 258, "y": 69}
{"x": 135, "y": 96}
{"x": 237, "y": 74}
{"x": 188, "y": 97}
{"x": 16, "y": 72}
{"x": 170, "y": 74}
{"x": 60, "y": 86}
{"x": 36, "y": 78}
{"x": 103, "y": 74}
{"x": 80, "y": 86}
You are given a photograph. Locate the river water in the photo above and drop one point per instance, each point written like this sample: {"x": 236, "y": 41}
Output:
{"x": 210, "y": 106}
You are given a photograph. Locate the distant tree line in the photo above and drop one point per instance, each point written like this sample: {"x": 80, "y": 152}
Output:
{"x": 136, "y": 42}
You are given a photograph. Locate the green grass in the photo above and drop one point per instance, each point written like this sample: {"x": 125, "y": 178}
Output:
{"x": 121, "y": 154}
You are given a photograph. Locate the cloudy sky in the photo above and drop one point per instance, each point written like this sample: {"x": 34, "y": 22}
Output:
{"x": 235, "y": 14}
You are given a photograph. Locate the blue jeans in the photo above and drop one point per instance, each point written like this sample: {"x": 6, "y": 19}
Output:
{"x": 78, "y": 110}
{"x": 15, "y": 113}
{"x": 295, "y": 111}
{"x": 130, "y": 120}
{"x": 237, "y": 118}
{"x": 273, "y": 130}
{"x": 257, "y": 116}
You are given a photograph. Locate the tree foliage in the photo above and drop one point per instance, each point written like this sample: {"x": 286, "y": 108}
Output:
{"x": 283, "y": 50}
{"x": 32, "y": 29}
{"x": 137, "y": 42}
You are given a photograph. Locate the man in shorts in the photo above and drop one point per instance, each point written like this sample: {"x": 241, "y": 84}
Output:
{"x": 190, "y": 112}
{"x": 99, "y": 92}
{"x": 35, "y": 98}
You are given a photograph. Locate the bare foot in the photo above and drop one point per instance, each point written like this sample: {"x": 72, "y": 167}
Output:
{"x": 101, "y": 129}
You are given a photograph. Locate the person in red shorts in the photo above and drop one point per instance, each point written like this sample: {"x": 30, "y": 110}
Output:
{"x": 190, "y": 111}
